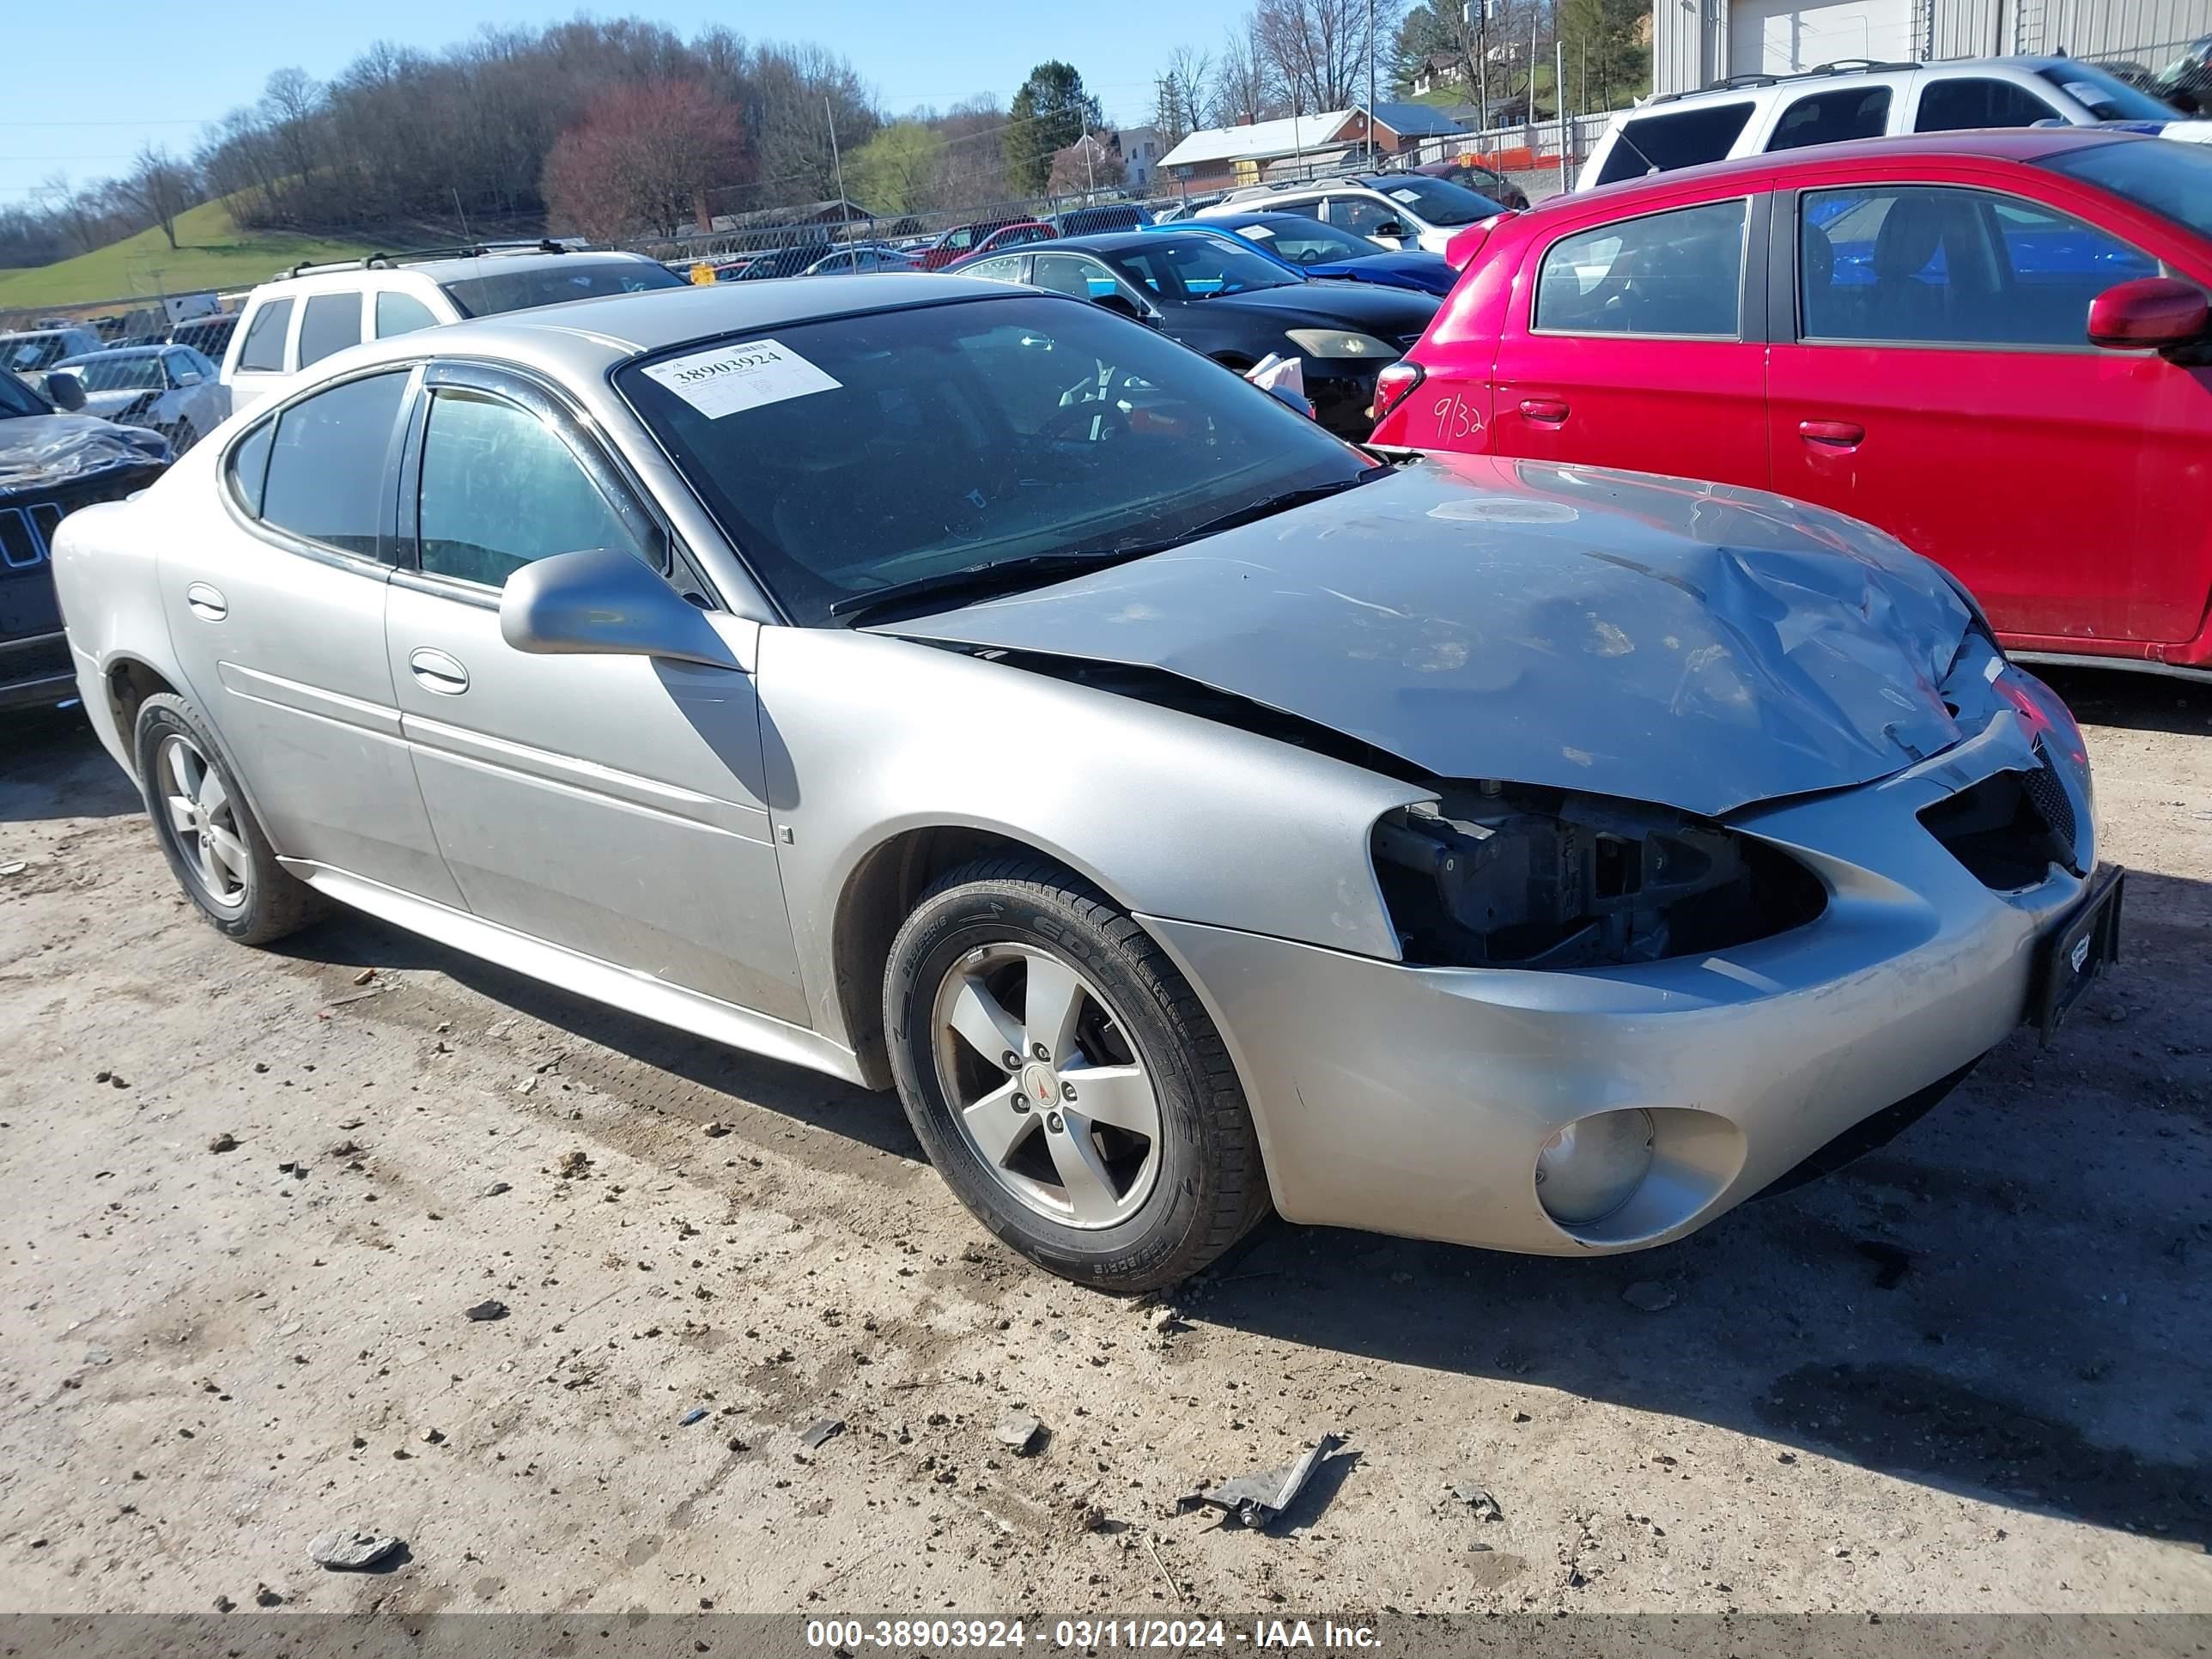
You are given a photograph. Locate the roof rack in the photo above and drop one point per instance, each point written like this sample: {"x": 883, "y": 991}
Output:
{"x": 412, "y": 256}
{"x": 1743, "y": 83}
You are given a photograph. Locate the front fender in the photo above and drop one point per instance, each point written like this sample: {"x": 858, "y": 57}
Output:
{"x": 868, "y": 736}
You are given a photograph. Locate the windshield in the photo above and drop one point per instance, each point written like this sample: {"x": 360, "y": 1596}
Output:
{"x": 26, "y": 352}
{"x": 847, "y": 455}
{"x": 2104, "y": 95}
{"x": 1197, "y": 265}
{"x": 2169, "y": 179}
{"x": 1439, "y": 201}
{"x": 567, "y": 278}
{"x": 1306, "y": 241}
{"x": 117, "y": 373}
{"x": 16, "y": 399}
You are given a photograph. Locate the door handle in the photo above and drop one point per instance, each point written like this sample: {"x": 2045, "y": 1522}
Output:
{"x": 1552, "y": 410}
{"x": 437, "y": 672}
{"x": 206, "y": 603}
{"x": 1843, "y": 435}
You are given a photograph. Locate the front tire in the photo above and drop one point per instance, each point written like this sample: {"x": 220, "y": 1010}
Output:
{"x": 214, "y": 843}
{"x": 1066, "y": 1081}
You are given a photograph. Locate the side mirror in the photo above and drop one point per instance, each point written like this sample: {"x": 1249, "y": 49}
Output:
{"x": 66, "y": 391}
{"x": 2149, "y": 313}
{"x": 604, "y": 602}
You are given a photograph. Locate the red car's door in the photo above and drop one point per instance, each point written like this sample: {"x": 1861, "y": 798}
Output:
{"x": 1937, "y": 381}
{"x": 1639, "y": 343}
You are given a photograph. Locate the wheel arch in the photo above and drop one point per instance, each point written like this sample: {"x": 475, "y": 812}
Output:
{"x": 880, "y": 893}
{"x": 129, "y": 681}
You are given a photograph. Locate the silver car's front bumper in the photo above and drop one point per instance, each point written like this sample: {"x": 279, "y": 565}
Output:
{"x": 1414, "y": 1100}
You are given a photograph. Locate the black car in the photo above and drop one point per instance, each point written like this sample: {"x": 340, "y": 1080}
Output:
{"x": 1237, "y": 306}
{"x": 51, "y": 462}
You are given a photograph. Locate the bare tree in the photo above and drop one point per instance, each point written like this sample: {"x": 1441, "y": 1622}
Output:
{"x": 642, "y": 158}
{"x": 1183, "y": 94}
{"x": 159, "y": 186}
{"x": 1245, "y": 87}
{"x": 1320, "y": 50}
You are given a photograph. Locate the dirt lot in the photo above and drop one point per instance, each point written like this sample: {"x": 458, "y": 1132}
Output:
{"x": 1970, "y": 1374}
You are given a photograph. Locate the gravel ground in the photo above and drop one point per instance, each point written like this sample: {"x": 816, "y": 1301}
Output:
{"x": 249, "y": 1196}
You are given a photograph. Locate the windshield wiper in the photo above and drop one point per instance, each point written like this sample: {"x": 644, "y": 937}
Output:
{"x": 977, "y": 582}
{"x": 1251, "y": 513}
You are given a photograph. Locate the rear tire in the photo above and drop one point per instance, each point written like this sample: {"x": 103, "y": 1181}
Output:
{"x": 214, "y": 843}
{"x": 1123, "y": 1157}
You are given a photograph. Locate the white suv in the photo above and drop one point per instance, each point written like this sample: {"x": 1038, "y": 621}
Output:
{"x": 1391, "y": 209}
{"x": 313, "y": 310}
{"x": 1750, "y": 114}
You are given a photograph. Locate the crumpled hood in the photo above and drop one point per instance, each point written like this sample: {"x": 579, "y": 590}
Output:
{"x": 1698, "y": 646}
{"x": 40, "y": 451}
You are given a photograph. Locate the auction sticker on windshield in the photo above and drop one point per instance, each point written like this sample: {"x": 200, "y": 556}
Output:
{"x": 731, "y": 378}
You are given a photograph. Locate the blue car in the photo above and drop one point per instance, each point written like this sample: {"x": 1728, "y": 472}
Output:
{"x": 1314, "y": 249}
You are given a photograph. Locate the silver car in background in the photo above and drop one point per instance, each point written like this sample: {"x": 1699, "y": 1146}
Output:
{"x": 968, "y": 689}
{"x": 173, "y": 389}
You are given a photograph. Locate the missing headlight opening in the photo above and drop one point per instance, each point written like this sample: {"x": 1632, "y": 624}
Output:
{"x": 1500, "y": 875}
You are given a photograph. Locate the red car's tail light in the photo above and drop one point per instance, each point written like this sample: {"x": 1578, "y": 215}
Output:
{"x": 1392, "y": 385}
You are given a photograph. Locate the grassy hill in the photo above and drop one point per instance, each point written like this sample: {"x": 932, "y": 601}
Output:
{"x": 211, "y": 251}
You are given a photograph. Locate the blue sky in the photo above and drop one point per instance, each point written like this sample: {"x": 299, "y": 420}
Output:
{"x": 154, "y": 70}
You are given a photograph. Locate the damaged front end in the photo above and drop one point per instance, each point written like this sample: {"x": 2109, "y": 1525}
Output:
{"x": 1491, "y": 875}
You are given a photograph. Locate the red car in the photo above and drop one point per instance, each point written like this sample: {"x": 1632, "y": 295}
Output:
{"x": 1994, "y": 345}
{"x": 994, "y": 236}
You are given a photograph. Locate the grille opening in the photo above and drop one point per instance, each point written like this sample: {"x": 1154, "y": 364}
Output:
{"x": 1533, "y": 879}
{"x": 1999, "y": 831}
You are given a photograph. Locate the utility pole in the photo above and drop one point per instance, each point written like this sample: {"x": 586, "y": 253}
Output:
{"x": 1370, "y": 86}
{"x": 1559, "y": 97}
{"x": 836, "y": 162}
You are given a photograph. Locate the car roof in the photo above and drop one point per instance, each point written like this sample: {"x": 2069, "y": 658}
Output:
{"x": 2027, "y": 145}
{"x": 450, "y": 270}
{"x": 153, "y": 350}
{"x": 1790, "y": 81}
{"x": 595, "y": 333}
{"x": 1124, "y": 242}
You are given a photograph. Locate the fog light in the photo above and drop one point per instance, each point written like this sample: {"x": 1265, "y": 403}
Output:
{"x": 1588, "y": 1170}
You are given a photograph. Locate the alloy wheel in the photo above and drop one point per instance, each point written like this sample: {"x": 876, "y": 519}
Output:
{"x": 1048, "y": 1089}
{"x": 204, "y": 821}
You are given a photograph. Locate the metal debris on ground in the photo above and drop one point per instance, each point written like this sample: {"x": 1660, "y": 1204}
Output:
{"x": 496, "y": 1188}
{"x": 821, "y": 1430}
{"x": 1648, "y": 1295}
{"x": 1479, "y": 1499}
{"x": 1019, "y": 1432}
{"x": 15, "y": 869}
{"x": 1253, "y": 1500}
{"x": 484, "y": 1310}
{"x": 348, "y": 1550}
{"x": 364, "y": 977}
{"x": 696, "y": 1414}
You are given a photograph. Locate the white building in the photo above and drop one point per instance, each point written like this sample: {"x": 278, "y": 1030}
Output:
{"x": 1697, "y": 42}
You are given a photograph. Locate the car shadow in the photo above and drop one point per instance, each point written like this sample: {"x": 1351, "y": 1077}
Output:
{"x": 2005, "y": 1301}
{"x": 2132, "y": 700}
{"x": 51, "y": 766}
{"x": 670, "y": 1070}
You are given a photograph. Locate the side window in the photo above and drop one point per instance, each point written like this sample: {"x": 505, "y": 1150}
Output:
{"x": 961, "y": 239}
{"x": 1963, "y": 100}
{"x": 249, "y": 466}
{"x": 400, "y": 313}
{"x": 1679, "y": 273}
{"x": 264, "y": 349}
{"x": 500, "y": 490}
{"x": 1919, "y": 265}
{"x": 183, "y": 371}
{"x": 1073, "y": 274}
{"x": 1363, "y": 217}
{"x": 332, "y": 323}
{"x": 327, "y": 479}
{"x": 1830, "y": 117}
{"x": 1008, "y": 269}
{"x": 1685, "y": 138}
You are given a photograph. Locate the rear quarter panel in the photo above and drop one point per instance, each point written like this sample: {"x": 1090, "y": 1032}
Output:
{"x": 1451, "y": 408}
{"x": 106, "y": 560}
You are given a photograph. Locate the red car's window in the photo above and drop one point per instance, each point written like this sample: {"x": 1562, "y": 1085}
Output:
{"x": 1935, "y": 266}
{"x": 1678, "y": 274}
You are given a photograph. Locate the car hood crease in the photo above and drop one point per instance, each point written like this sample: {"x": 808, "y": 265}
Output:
{"x": 1697, "y": 645}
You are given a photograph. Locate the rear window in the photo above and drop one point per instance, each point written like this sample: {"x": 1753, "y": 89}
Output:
{"x": 2104, "y": 95}
{"x": 264, "y": 338}
{"x": 332, "y": 323}
{"x": 550, "y": 284}
{"x": 326, "y": 474}
{"x": 1439, "y": 201}
{"x": 2173, "y": 180}
{"x": 1830, "y": 117}
{"x": 1677, "y": 274}
{"x": 1682, "y": 138}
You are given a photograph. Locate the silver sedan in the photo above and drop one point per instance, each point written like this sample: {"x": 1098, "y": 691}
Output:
{"x": 969, "y": 690}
